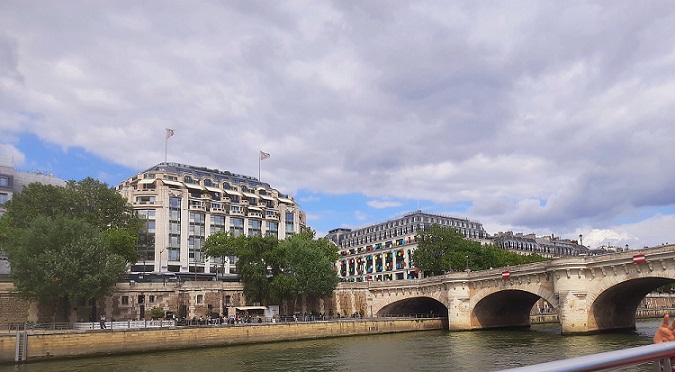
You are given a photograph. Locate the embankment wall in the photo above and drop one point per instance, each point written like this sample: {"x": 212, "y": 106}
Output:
{"x": 42, "y": 346}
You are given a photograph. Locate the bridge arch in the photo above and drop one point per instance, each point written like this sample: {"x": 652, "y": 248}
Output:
{"x": 414, "y": 305}
{"x": 614, "y": 306}
{"x": 507, "y": 307}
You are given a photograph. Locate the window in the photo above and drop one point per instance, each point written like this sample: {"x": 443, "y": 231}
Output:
{"x": 145, "y": 199}
{"x": 174, "y": 202}
{"x": 254, "y": 228}
{"x": 151, "y": 299}
{"x": 200, "y": 299}
{"x": 236, "y": 226}
{"x": 228, "y": 300}
{"x": 3, "y": 198}
{"x": 4, "y": 181}
{"x": 217, "y": 224}
{"x": 125, "y": 300}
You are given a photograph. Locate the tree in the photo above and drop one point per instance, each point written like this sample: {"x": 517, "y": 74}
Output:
{"x": 438, "y": 249}
{"x": 274, "y": 271}
{"x": 257, "y": 264}
{"x": 443, "y": 249}
{"x": 63, "y": 258}
{"x": 220, "y": 244}
{"x": 68, "y": 243}
{"x": 310, "y": 266}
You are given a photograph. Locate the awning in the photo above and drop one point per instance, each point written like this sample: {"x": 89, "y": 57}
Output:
{"x": 214, "y": 189}
{"x": 251, "y": 307}
{"x": 249, "y": 195}
{"x": 146, "y": 181}
{"x": 232, "y": 192}
{"x": 194, "y": 186}
{"x": 172, "y": 183}
{"x": 267, "y": 197}
{"x": 254, "y": 209}
{"x": 284, "y": 200}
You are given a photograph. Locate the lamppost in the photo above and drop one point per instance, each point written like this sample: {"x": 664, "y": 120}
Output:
{"x": 467, "y": 263}
{"x": 160, "y": 259}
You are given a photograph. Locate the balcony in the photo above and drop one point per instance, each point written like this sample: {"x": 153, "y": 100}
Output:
{"x": 237, "y": 212}
{"x": 197, "y": 207}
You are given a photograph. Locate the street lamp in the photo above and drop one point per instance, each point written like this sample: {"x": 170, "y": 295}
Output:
{"x": 467, "y": 263}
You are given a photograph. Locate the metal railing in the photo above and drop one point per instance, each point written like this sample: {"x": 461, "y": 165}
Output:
{"x": 224, "y": 321}
{"x": 659, "y": 354}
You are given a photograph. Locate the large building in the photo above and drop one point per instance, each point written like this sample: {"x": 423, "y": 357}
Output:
{"x": 13, "y": 181}
{"x": 546, "y": 246}
{"x": 383, "y": 251}
{"x": 182, "y": 205}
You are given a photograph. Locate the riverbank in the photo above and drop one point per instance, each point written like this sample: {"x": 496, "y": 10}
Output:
{"x": 69, "y": 344}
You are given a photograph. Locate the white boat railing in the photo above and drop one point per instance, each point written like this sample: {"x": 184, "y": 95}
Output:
{"x": 659, "y": 354}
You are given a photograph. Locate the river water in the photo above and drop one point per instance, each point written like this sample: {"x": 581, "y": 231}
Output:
{"x": 416, "y": 351}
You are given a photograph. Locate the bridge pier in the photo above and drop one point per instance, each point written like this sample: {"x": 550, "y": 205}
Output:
{"x": 574, "y": 313}
{"x": 459, "y": 306}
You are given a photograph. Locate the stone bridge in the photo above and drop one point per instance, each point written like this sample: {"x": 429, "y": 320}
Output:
{"x": 590, "y": 294}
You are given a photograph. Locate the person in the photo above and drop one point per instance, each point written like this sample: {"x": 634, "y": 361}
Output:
{"x": 666, "y": 333}
{"x": 102, "y": 321}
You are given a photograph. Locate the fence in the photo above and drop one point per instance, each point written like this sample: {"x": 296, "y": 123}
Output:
{"x": 85, "y": 326}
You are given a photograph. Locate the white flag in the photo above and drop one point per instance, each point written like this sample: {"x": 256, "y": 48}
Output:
{"x": 264, "y": 155}
{"x": 169, "y": 132}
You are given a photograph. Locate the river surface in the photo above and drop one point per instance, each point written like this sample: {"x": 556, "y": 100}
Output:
{"x": 416, "y": 351}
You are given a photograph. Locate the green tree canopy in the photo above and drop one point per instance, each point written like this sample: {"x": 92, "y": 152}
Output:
{"x": 443, "y": 249}
{"x": 273, "y": 270}
{"x": 63, "y": 257}
{"x": 310, "y": 266}
{"x": 71, "y": 242}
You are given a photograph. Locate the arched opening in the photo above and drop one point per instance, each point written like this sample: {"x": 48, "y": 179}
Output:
{"x": 416, "y": 306}
{"x": 504, "y": 309}
{"x": 614, "y": 309}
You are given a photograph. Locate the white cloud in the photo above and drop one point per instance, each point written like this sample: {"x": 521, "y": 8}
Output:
{"x": 557, "y": 120}
{"x": 380, "y": 204}
{"x": 11, "y": 155}
{"x": 360, "y": 216}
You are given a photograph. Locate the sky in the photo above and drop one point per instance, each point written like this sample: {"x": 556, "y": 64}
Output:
{"x": 545, "y": 117}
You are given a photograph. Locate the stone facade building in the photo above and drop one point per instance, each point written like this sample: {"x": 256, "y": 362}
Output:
{"x": 546, "y": 246}
{"x": 383, "y": 251}
{"x": 182, "y": 205}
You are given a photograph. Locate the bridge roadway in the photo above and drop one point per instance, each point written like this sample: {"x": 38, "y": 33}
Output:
{"x": 590, "y": 293}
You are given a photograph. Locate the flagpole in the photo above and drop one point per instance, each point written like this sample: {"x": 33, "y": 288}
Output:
{"x": 169, "y": 133}
{"x": 261, "y": 156}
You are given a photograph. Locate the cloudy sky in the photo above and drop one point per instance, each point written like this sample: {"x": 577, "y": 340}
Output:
{"x": 550, "y": 117}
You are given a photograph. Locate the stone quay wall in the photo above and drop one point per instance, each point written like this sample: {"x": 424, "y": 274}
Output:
{"x": 45, "y": 346}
